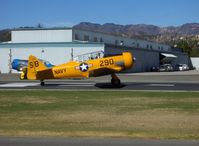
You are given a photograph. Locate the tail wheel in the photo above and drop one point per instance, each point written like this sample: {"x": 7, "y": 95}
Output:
{"x": 23, "y": 74}
{"x": 42, "y": 83}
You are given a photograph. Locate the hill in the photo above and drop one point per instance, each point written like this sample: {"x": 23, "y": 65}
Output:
{"x": 142, "y": 31}
{"x": 185, "y": 36}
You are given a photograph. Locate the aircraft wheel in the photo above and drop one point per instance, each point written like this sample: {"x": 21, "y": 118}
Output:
{"x": 22, "y": 76}
{"x": 42, "y": 83}
{"x": 115, "y": 82}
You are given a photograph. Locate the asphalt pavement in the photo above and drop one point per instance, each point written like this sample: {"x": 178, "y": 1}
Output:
{"x": 167, "y": 81}
{"x": 167, "y": 77}
{"x": 27, "y": 141}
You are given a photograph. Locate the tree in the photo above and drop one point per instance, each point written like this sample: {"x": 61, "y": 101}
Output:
{"x": 5, "y": 35}
{"x": 184, "y": 45}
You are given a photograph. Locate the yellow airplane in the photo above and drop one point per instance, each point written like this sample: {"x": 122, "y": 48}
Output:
{"x": 36, "y": 69}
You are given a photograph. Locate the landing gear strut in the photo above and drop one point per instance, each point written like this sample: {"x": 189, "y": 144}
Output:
{"x": 42, "y": 83}
{"x": 115, "y": 81}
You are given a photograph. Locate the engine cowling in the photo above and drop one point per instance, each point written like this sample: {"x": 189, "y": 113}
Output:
{"x": 128, "y": 60}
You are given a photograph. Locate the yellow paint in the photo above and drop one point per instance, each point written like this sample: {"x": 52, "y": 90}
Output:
{"x": 36, "y": 70}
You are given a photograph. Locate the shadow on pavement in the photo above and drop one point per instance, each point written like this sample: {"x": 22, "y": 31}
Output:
{"x": 108, "y": 86}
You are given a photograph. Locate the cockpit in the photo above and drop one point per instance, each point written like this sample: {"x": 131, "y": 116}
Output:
{"x": 89, "y": 56}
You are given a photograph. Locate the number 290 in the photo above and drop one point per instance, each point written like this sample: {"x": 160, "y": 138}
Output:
{"x": 106, "y": 62}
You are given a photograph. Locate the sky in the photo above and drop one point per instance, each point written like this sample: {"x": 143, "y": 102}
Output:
{"x": 66, "y": 13}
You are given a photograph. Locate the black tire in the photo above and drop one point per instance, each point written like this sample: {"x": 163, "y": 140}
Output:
{"x": 42, "y": 83}
{"x": 116, "y": 83}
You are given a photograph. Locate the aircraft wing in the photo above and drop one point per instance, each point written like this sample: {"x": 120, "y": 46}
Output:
{"x": 103, "y": 71}
{"x": 44, "y": 74}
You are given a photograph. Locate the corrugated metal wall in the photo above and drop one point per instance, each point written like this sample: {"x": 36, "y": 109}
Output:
{"x": 144, "y": 59}
{"x": 116, "y": 40}
{"x": 29, "y": 36}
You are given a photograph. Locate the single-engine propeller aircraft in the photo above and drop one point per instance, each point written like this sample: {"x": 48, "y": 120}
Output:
{"x": 37, "y": 70}
{"x": 19, "y": 64}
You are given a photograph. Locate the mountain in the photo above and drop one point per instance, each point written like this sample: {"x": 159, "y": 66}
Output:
{"x": 138, "y": 31}
{"x": 142, "y": 31}
{"x": 185, "y": 36}
{"x": 123, "y": 30}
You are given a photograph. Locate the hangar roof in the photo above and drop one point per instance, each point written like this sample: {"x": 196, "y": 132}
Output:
{"x": 52, "y": 44}
{"x": 53, "y": 28}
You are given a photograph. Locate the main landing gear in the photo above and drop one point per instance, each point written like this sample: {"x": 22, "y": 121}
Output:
{"x": 42, "y": 83}
{"x": 115, "y": 81}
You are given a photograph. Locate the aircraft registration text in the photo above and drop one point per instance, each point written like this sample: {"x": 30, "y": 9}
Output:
{"x": 106, "y": 62}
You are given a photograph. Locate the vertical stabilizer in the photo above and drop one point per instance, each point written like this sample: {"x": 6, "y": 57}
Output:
{"x": 34, "y": 65}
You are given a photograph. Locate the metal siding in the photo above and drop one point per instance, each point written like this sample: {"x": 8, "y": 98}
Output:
{"x": 4, "y": 60}
{"x": 144, "y": 59}
{"x": 80, "y": 50}
{"x": 53, "y": 55}
{"x": 27, "y": 36}
{"x": 128, "y": 42}
{"x": 181, "y": 59}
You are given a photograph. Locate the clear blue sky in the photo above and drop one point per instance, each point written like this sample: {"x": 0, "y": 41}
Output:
{"x": 50, "y": 13}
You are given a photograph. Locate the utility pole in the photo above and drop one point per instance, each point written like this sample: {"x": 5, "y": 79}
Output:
{"x": 9, "y": 61}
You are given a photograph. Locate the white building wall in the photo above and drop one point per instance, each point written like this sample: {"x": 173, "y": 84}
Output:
{"x": 31, "y": 36}
{"x": 195, "y": 62}
{"x": 53, "y": 55}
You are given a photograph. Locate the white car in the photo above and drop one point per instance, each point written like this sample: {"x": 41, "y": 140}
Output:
{"x": 182, "y": 67}
{"x": 166, "y": 67}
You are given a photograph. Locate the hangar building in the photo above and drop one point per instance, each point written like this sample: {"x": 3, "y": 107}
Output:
{"x": 59, "y": 45}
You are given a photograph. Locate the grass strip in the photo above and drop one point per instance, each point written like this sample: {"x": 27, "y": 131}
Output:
{"x": 158, "y": 115}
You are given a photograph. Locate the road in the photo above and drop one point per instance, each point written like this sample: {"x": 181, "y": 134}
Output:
{"x": 91, "y": 85}
{"x": 24, "y": 141}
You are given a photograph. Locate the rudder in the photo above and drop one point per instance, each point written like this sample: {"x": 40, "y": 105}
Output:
{"x": 34, "y": 65}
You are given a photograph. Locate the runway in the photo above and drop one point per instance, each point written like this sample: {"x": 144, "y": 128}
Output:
{"x": 166, "y": 81}
{"x": 96, "y": 85}
{"x": 24, "y": 141}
